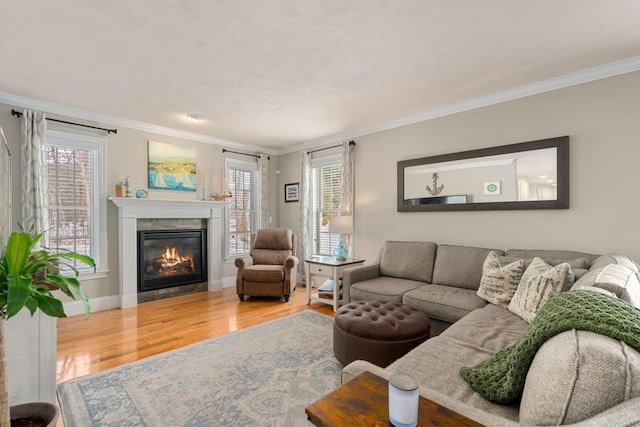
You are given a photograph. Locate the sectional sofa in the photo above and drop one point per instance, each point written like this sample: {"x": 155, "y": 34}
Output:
{"x": 576, "y": 377}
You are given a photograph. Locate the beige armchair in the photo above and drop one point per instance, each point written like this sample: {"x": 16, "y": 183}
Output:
{"x": 270, "y": 269}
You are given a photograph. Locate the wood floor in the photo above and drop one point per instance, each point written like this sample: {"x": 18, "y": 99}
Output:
{"x": 114, "y": 337}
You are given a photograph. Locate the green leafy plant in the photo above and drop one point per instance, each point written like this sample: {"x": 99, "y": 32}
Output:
{"x": 28, "y": 275}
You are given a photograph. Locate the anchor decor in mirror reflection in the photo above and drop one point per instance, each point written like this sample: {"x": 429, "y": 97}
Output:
{"x": 436, "y": 190}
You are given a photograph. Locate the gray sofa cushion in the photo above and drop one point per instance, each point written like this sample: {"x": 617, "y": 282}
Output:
{"x": 552, "y": 256}
{"x": 437, "y": 362}
{"x": 576, "y": 375}
{"x": 382, "y": 289}
{"x": 446, "y": 303}
{"x": 460, "y": 266}
{"x": 408, "y": 260}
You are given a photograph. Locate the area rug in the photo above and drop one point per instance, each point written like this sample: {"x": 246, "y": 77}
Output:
{"x": 260, "y": 376}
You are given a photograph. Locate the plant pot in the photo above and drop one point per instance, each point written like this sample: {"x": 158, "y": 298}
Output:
{"x": 43, "y": 410}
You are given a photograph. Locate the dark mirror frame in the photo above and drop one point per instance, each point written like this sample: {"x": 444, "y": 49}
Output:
{"x": 562, "y": 168}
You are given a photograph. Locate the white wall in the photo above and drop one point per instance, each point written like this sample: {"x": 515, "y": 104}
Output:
{"x": 601, "y": 119}
{"x": 126, "y": 154}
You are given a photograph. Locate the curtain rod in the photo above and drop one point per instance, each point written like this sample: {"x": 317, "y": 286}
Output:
{"x": 333, "y": 146}
{"x": 19, "y": 114}
{"x": 224, "y": 150}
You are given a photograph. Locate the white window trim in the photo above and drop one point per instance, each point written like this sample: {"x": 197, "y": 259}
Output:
{"x": 75, "y": 140}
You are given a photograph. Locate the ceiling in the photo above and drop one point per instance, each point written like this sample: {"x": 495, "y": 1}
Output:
{"x": 281, "y": 73}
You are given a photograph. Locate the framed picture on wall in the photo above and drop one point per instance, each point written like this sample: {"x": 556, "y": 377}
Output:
{"x": 291, "y": 192}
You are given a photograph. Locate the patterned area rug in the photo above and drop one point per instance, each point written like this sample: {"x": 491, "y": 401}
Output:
{"x": 261, "y": 376}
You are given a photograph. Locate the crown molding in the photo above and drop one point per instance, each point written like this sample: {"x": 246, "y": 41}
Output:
{"x": 105, "y": 119}
{"x": 585, "y": 76}
{"x": 592, "y": 74}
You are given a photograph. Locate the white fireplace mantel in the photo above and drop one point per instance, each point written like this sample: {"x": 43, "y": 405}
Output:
{"x": 129, "y": 210}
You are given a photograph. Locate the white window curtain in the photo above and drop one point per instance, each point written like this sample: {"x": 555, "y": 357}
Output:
{"x": 346, "y": 201}
{"x": 5, "y": 190}
{"x": 263, "y": 171}
{"x": 305, "y": 243}
{"x": 35, "y": 211}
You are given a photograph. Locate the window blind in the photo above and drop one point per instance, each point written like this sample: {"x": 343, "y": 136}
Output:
{"x": 326, "y": 194}
{"x": 244, "y": 208}
{"x": 75, "y": 184}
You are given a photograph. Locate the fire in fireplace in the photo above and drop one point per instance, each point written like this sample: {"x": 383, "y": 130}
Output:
{"x": 168, "y": 258}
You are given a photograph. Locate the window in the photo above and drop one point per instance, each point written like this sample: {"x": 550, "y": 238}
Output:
{"x": 244, "y": 208}
{"x": 326, "y": 183}
{"x": 77, "y": 211}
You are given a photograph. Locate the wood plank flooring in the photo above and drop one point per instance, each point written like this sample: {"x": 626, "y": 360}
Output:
{"x": 111, "y": 338}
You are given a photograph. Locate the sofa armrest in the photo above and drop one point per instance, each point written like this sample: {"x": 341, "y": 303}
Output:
{"x": 290, "y": 262}
{"x": 357, "y": 367}
{"x": 355, "y": 275}
{"x": 243, "y": 262}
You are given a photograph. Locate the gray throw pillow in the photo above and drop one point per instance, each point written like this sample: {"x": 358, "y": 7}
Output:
{"x": 539, "y": 283}
{"x": 499, "y": 281}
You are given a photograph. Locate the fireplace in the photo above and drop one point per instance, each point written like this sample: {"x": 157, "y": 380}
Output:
{"x": 169, "y": 258}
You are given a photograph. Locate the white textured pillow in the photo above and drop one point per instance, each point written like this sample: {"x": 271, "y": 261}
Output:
{"x": 539, "y": 283}
{"x": 499, "y": 281}
{"x": 618, "y": 279}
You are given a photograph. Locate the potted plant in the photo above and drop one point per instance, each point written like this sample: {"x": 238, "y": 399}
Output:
{"x": 28, "y": 274}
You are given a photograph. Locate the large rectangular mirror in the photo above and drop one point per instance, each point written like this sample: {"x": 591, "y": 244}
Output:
{"x": 527, "y": 175}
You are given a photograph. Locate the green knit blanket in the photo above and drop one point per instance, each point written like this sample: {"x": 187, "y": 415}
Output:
{"x": 501, "y": 377}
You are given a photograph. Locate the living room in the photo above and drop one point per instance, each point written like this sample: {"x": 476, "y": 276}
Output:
{"x": 594, "y": 100}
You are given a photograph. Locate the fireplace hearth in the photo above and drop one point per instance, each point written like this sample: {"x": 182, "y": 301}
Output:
{"x": 170, "y": 258}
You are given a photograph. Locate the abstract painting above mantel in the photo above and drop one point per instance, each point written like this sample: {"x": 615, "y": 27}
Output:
{"x": 172, "y": 167}
{"x": 527, "y": 175}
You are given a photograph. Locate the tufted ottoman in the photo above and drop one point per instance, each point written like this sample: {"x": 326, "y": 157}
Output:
{"x": 379, "y": 332}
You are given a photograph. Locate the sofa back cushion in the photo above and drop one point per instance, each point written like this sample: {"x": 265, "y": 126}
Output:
{"x": 408, "y": 260}
{"x": 604, "y": 260}
{"x": 272, "y": 246}
{"x": 576, "y": 375}
{"x": 580, "y": 262}
{"x": 620, "y": 280}
{"x": 460, "y": 266}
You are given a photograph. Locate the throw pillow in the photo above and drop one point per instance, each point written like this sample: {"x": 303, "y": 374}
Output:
{"x": 618, "y": 279}
{"x": 499, "y": 281}
{"x": 539, "y": 283}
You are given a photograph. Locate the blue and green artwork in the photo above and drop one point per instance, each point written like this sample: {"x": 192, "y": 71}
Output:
{"x": 172, "y": 167}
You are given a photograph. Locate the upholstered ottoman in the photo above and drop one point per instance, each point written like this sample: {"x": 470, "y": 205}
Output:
{"x": 379, "y": 332}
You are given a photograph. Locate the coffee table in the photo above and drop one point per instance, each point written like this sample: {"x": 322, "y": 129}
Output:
{"x": 364, "y": 401}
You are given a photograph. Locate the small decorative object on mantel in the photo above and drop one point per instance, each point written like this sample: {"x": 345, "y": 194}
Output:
{"x": 224, "y": 192}
{"x": 436, "y": 190}
{"x": 142, "y": 194}
{"x": 121, "y": 190}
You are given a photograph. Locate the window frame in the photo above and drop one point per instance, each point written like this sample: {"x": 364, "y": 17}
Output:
{"x": 98, "y": 193}
{"x": 246, "y": 166}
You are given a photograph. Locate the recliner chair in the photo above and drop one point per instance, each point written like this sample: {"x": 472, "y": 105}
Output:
{"x": 270, "y": 269}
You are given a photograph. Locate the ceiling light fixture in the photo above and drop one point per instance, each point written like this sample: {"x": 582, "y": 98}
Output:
{"x": 195, "y": 117}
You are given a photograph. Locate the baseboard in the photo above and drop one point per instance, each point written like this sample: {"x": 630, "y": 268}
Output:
{"x": 74, "y": 308}
{"x": 228, "y": 282}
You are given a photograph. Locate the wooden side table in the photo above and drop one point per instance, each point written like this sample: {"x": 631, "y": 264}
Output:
{"x": 364, "y": 401}
{"x": 327, "y": 266}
